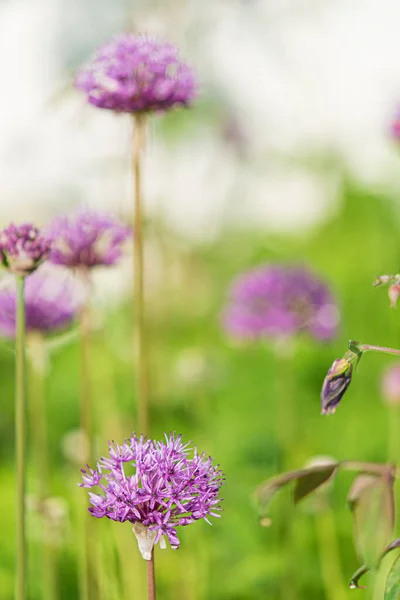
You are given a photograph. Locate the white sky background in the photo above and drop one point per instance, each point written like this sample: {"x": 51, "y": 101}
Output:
{"x": 302, "y": 78}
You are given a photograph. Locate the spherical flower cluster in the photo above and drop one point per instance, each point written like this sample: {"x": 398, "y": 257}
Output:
{"x": 280, "y": 301}
{"x": 134, "y": 73}
{"x": 155, "y": 485}
{"x": 23, "y": 248}
{"x": 50, "y": 304}
{"x": 87, "y": 240}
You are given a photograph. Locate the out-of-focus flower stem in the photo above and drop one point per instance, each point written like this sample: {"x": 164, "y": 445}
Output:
{"x": 38, "y": 370}
{"x": 20, "y": 441}
{"x": 86, "y": 417}
{"x": 151, "y": 581}
{"x": 138, "y": 256}
{"x": 334, "y": 586}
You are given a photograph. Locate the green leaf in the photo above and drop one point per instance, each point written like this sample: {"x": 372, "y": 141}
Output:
{"x": 372, "y": 502}
{"x": 307, "y": 479}
{"x": 309, "y": 483}
{"x": 392, "y": 589}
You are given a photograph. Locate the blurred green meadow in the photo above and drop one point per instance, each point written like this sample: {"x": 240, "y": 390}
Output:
{"x": 254, "y": 410}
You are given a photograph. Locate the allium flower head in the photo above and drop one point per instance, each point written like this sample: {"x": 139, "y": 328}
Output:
{"x": 156, "y": 486}
{"x": 23, "y": 248}
{"x": 87, "y": 240}
{"x": 280, "y": 301}
{"x": 50, "y": 304}
{"x": 135, "y": 73}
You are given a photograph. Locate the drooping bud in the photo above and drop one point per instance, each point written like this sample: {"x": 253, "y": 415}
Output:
{"x": 336, "y": 383}
{"x": 394, "y": 294}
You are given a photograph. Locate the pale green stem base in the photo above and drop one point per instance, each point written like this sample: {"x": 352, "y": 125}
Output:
{"x": 20, "y": 441}
{"x": 138, "y": 263}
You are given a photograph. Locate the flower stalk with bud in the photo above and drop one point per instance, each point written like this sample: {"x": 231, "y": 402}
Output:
{"x": 341, "y": 372}
{"x": 138, "y": 75}
{"x": 22, "y": 250}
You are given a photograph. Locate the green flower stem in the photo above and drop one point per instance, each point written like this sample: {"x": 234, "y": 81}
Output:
{"x": 329, "y": 553}
{"x": 371, "y": 348}
{"x": 138, "y": 260}
{"x": 151, "y": 581}
{"x": 87, "y": 543}
{"x": 40, "y": 447}
{"x": 20, "y": 441}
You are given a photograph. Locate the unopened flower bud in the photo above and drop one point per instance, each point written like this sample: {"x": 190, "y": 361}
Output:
{"x": 335, "y": 384}
{"x": 391, "y": 385}
{"x": 394, "y": 293}
{"x": 23, "y": 248}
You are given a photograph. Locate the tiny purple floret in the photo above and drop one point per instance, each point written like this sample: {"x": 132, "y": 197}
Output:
{"x": 23, "y": 248}
{"x": 50, "y": 304}
{"x": 159, "y": 485}
{"x": 277, "y": 301}
{"x": 87, "y": 239}
{"x": 135, "y": 73}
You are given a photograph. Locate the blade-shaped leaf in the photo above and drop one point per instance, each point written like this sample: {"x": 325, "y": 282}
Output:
{"x": 310, "y": 478}
{"x": 392, "y": 588}
{"x": 371, "y": 500}
{"x": 309, "y": 483}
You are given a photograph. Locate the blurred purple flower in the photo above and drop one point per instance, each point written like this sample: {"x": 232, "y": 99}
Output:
{"x": 280, "y": 301}
{"x": 391, "y": 385}
{"x": 395, "y": 127}
{"x": 156, "y": 486}
{"x": 87, "y": 240}
{"x": 50, "y": 304}
{"x": 23, "y": 248}
{"x": 135, "y": 73}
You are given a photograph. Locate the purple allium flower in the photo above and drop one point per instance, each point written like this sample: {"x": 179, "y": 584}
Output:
{"x": 279, "y": 301}
{"x": 87, "y": 240}
{"x": 156, "y": 486}
{"x": 391, "y": 385}
{"x": 50, "y": 304}
{"x": 23, "y": 248}
{"x": 135, "y": 73}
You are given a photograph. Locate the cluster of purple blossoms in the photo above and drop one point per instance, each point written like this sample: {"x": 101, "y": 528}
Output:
{"x": 134, "y": 73}
{"x": 50, "y": 304}
{"x": 87, "y": 240}
{"x": 23, "y": 248}
{"x": 280, "y": 301}
{"x": 168, "y": 485}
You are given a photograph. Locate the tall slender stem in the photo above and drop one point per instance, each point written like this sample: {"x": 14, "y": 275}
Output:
{"x": 151, "y": 580}
{"x": 38, "y": 370}
{"x": 20, "y": 440}
{"x": 86, "y": 409}
{"x": 329, "y": 555}
{"x": 138, "y": 255}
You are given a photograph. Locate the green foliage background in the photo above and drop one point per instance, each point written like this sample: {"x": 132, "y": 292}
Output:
{"x": 255, "y": 411}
